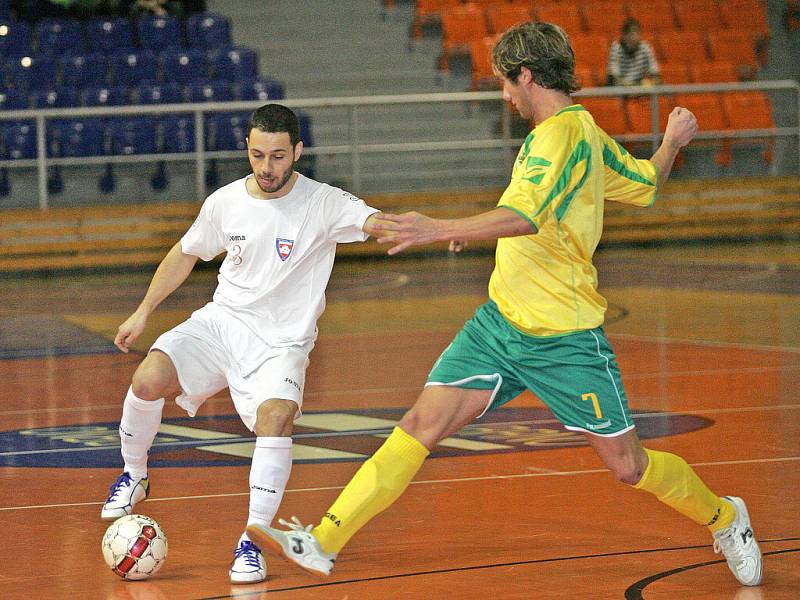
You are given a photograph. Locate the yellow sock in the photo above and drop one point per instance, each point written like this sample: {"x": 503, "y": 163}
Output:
{"x": 670, "y": 479}
{"x": 375, "y": 486}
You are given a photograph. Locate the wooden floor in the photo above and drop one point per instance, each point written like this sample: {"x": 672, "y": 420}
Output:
{"x": 708, "y": 338}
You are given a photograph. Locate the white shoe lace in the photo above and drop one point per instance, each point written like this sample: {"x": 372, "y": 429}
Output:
{"x": 296, "y": 525}
{"x": 726, "y": 543}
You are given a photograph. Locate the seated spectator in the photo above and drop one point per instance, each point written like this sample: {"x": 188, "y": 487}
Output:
{"x": 631, "y": 60}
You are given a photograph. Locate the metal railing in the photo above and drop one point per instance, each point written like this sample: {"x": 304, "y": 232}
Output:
{"x": 353, "y": 145}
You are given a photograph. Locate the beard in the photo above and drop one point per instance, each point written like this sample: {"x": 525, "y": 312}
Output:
{"x": 271, "y": 189}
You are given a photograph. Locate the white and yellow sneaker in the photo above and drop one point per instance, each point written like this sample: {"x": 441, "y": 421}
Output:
{"x": 298, "y": 545}
{"x": 738, "y": 544}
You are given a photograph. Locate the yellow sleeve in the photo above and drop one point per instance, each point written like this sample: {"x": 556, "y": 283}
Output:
{"x": 627, "y": 179}
{"x": 552, "y": 165}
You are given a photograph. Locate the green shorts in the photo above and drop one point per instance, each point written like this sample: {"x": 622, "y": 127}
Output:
{"x": 575, "y": 375}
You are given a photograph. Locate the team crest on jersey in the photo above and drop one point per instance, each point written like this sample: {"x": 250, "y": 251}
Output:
{"x": 284, "y": 247}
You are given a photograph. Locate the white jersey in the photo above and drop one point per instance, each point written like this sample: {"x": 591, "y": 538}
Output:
{"x": 280, "y": 253}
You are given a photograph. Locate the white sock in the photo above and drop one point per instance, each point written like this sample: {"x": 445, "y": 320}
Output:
{"x": 137, "y": 430}
{"x": 269, "y": 472}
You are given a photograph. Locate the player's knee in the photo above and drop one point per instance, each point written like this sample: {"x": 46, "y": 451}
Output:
{"x": 147, "y": 385}
{"x": 628, "y": 469}
{"x": 275, "y": 418}
{"x": 425, "y": 425}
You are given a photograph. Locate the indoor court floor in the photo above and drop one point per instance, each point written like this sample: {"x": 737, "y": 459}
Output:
{"x": 511, "y": 507}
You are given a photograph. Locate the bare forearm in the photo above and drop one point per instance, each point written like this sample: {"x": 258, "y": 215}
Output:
{"x": 414, "y": 229}
{"x": 171, "y": 273}
{"x": 663, "y": 160}
{"x": 497, "y": 223}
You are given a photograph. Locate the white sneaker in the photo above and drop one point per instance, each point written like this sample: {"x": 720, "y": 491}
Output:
{"x": 297, "y": 545}
{"x": 123, "y": 495}
{"x": 739, "y": 546}
{"x": 248, "y": 564}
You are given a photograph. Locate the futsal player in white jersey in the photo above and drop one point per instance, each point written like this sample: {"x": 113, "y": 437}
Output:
{"x": 279, "y": 230}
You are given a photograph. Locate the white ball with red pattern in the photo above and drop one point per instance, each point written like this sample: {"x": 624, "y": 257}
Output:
{"x": 135, "y": 547}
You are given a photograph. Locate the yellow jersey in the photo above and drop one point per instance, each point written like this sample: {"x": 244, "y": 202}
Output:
{"x": 544, "y": 283}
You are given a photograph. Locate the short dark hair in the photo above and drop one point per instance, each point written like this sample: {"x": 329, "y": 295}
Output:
{"x": 275, "y": 118}
{"x": 544, "y": 49}
{"x": 630, "y": 24}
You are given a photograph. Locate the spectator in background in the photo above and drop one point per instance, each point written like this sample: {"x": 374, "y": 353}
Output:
{"x": 632, "y": 60}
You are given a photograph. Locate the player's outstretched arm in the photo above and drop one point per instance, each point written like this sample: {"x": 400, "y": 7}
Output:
{"x": 414, "y": 229}
{"x": 681, "y": 129}
{"x": 172, "y": 272}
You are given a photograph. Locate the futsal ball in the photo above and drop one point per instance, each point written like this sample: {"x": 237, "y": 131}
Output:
{"x": 134, "y": 547}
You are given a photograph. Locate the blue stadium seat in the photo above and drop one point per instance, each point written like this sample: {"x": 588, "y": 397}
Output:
{"x": 84, "y": 70}
{"x": 207, "y": 90}
{"x": 57, "y": 37}
{"x": 182, "y": 66}
{"x": 63, "y": 97}
{"x": 15, "y": 39}
{"x": 208, "y": 30}
{"x": 304, "y": 121}
{"x": 12, "y": 99}
{"x": 178, "y": 133}
{"x": 158, "y": 33}
{"x": 154, "y": 93}
{"x": 234, "y": 63}
{"x": 76, "y": 137}
{"x": 229, "y": 131}
{"x": 259, "y": 89}
{"x": 133, "y": 67}
{"x": 19, "y": 140}
{"x": 33, "y": 72}
{"x": 110, "y": 34}
{"x": 132, "y": 135}
{"x": 117, "y": 95}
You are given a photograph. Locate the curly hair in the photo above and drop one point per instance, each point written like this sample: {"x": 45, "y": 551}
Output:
{"x": 544, "y": 49}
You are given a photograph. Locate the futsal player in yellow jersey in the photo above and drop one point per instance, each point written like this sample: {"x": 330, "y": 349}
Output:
{"x": 541, "y": 328}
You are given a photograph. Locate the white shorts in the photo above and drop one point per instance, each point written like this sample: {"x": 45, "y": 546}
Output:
{"x": 213, "y": 350}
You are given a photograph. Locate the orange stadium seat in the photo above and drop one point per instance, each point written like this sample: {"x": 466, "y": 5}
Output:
{"x": 428, "y": 12}
{"x": 604, "y": 17}
{"x": 507, "y": 15}
{"x": 566, "y": 16}
{"x": 460, "y": 26}
{"x": 654, "y": 17}
{"x": 707, "y": 108}
{"x": 749, "y": 15}
{"x": 714, "y": 72}
{"x": 737, "y": 47}
{"x": 750, "y": 110}
{"x": 682, "y": 46}
{"x": 591, "y": 50}
{"x": 483, "y": 76}
{"x": 674, "y": 73}
{"x": 700, "y": 15}
{"x": 640, "y": 115}
{"x": 608, "y": 113}
{"x": 586, "y": 76}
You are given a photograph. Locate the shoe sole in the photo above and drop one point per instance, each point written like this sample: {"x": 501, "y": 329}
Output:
{"x": 248, "y": 582}
{"x": 265, "y": 542}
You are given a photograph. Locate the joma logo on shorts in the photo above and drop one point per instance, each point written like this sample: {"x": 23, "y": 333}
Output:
{"x": 236, "y": 238}
{"x": 292, "y": 382}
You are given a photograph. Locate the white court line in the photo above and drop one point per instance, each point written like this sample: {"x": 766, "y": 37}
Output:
{"x": 420, "y": 482}
{"x": 742, "y": 345}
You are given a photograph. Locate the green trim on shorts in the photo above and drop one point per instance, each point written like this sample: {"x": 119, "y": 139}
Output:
{"x": 576, "y": 375}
